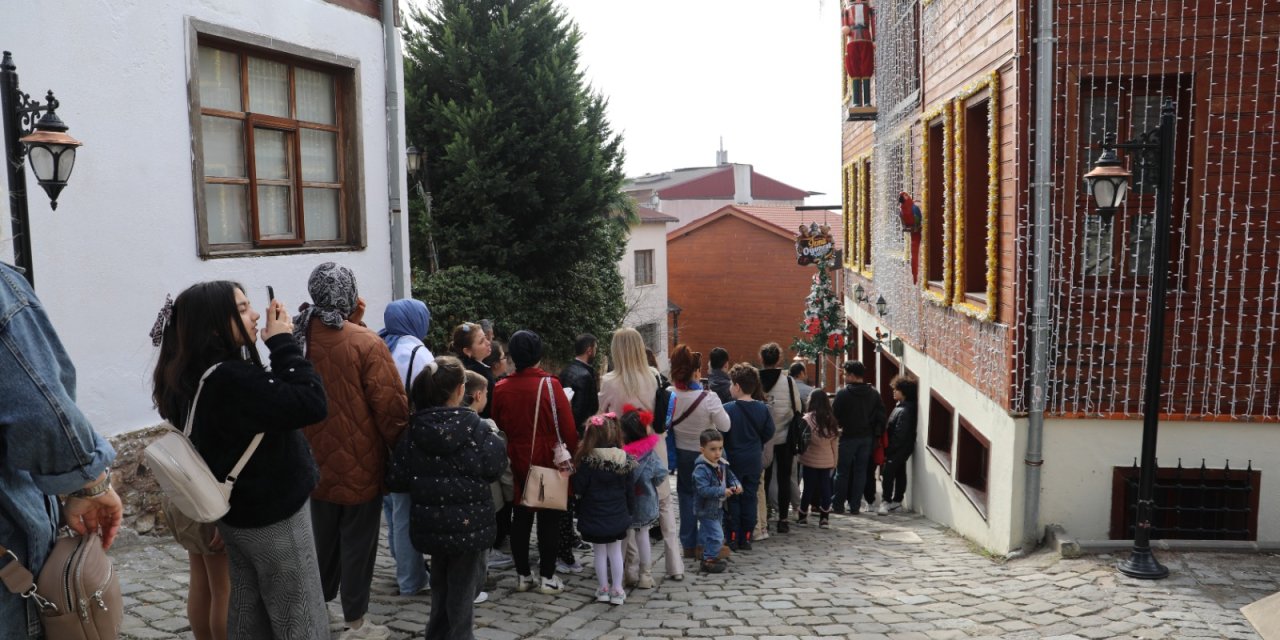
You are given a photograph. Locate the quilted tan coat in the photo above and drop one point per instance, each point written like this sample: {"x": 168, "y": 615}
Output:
{"x": 367, "y": 412}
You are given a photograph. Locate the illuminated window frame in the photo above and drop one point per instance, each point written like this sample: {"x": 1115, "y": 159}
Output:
{"x": 943, "y": 112}
{"x": 990, "y": 83}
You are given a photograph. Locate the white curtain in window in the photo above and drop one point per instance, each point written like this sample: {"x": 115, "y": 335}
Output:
{"x": 227, "y": 213}
{"x": 223, "y": 147}
{"x": 321, "y": 207}
{"x": 268, "y": 87}
{"x": 315, "y": 96}
{"x": 219, "y": 79}
{"x": 319, "y": 155}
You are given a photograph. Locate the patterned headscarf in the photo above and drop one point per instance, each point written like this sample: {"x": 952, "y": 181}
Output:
{"x": 333, "y": 298}
{"x": 405, "y": 317}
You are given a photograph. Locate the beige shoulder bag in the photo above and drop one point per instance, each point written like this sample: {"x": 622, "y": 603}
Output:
{"x": 544, "y": 487}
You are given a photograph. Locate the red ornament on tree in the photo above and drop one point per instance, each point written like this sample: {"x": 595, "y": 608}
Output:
{"x": 835, "y": 341}
{"x": 813, "y": 326}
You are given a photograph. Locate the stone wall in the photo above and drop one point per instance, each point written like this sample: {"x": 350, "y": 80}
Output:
{"x": 135, "y": 484}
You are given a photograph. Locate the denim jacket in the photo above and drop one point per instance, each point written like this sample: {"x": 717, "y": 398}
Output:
{"x": 47, "y": 446}
{"x": 709, "y": 482}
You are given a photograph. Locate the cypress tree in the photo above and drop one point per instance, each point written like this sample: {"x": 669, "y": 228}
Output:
{"x": 524, "y": 169}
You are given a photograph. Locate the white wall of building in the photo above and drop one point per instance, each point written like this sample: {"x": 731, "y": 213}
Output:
{"x": 1080, "y": 456}
{"x": 648, "y": 304}
{"x": 932, "y": 487}
{"x": 124, "y": 233}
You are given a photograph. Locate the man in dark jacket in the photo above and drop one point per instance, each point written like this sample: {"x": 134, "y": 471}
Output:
{"x": 718, "y": 377}
{"x": 860, "y": 412}
{"x": 581, "y": 377}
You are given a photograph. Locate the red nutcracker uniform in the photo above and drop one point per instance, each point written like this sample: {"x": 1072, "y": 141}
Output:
{"x": 858, "y": 21}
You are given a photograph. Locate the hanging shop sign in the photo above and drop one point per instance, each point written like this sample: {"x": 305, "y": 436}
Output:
{"x": 813, "y": 244}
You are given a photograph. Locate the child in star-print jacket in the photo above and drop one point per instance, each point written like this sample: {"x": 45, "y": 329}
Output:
{"x": 447, "y": 460}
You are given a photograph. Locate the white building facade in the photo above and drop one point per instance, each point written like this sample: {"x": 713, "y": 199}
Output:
{"x": 234, "y": 140}
{"x": 644, "y": 276}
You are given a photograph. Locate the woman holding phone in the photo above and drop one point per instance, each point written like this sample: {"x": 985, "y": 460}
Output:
{"x": 207, "y": 343}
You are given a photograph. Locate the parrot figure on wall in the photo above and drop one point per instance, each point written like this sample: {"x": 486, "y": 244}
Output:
{"x": 911, "y": 216}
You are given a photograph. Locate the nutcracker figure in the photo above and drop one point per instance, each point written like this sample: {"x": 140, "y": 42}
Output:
{"x": 859, "y": 28}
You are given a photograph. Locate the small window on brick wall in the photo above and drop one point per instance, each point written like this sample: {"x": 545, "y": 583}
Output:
{"x": 941, "y": 422}
{"x": 935, "y": 209}
{"x": 973, "y": 462}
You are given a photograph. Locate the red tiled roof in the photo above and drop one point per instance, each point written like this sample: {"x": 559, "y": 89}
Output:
{"x": 711, "y": 183}
{"x": 652, "y": 215}
{"x": 783, "y": 221}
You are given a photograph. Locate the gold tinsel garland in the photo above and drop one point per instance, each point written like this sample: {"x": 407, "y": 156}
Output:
{"x": 942, "y": 111}
{"x": 846, "y": 211}
{"x": 987, "y": 312}
{"x": 862, "y": 204}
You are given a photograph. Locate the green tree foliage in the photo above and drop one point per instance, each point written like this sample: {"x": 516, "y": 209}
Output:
{"x": 524, "y": 169}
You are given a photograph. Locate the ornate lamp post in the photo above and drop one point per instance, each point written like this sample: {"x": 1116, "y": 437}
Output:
{"x": 45, "y": 142}
{"x": 1109, "y": 184}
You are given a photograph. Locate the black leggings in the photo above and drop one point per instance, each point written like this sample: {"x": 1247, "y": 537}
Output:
{"x": 548, "y": 539}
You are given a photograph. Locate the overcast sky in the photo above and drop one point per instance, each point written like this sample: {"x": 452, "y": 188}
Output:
{"x": 679, "y": 74}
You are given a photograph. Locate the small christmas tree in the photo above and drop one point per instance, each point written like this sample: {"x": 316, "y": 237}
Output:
{"x": 823, "y": 324}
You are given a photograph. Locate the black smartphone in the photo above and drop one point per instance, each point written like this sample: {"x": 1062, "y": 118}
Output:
{"x": 271, "y": 295}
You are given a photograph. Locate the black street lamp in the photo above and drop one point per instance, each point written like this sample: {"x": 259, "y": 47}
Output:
{"x": 416, "y": 163}
{"x": 45, "y": 142}
{"x": 859, "y": 294}
{"x": 1109, "y": 182}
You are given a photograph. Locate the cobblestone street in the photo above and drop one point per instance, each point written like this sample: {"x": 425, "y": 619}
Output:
{"x": 897, "y": 576}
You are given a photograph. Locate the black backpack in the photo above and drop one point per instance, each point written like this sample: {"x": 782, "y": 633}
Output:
{"x": 798, "y": 432}
{"x": 661, "y": 401}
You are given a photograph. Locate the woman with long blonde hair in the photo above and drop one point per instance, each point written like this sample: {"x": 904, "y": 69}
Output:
{"x": 632, "y": 381}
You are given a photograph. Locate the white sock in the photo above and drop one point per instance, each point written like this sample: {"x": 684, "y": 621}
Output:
{"x": 602, "y": 564}
{"x": 615, "y": 564}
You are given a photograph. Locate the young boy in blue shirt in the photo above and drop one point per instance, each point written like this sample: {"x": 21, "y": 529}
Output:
{"x": 714, "y": 482}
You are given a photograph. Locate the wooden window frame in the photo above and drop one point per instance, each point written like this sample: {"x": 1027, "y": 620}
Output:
{"x": 345, "y": 72}
{"x": 862, "y": 202}
{"x": 848, "y": 221}
{"x": 937, "y": 292}
{"x": 934, "y": 436}
{"x": 979, "y": 305}
{"x": 976, "y": 495}
{"x": 652, "y": 260}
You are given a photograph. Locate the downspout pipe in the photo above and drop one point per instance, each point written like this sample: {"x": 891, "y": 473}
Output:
{"x": 1041, "y": 264}
{"x": 393, "y": 69}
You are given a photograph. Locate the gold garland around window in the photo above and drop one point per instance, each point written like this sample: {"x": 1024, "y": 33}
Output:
{"x": 941, "y": 111}
{"x": 862, "y": 205}
{"x": 986, "y": 313}
{"x": 846, "y": 211}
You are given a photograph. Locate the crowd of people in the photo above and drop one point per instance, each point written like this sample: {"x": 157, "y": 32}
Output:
{"x": 361, "y": 427}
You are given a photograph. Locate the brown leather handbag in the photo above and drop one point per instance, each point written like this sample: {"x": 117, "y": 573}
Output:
{"x": 77, "y": 593}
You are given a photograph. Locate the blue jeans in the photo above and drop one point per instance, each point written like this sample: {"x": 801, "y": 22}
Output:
{"x": 710, "y": 536}
{"x": 741, "y": 512}
{"x": 817, "y": 491}
{"x": 851, "y": 473}
{"x": 411, "y": 573}
{"x": 688, "y": 495}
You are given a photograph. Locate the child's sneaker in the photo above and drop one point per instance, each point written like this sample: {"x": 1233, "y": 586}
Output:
{"x": 714, "y": 566}
{"x": 551, "y": 586}
{"x": 523, "y": 583}
{"x": 569, "y": 567}
{"x": 802, "y": 518}
{"x": 617, "y": 597}
{"x": 745, "y": 545}
{"x": 602, "y": 594}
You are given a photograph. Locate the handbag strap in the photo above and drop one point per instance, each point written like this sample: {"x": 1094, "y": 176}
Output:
{"x": 17, "y": 578}
{"x": 191, "y": 417}
{"x": 688, "y": 411}
{"x": 537, "y": 411}
{"x": 791, "y": 388}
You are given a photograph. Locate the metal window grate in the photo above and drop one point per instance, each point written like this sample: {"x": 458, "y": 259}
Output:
{"x": 1190, "y": 503}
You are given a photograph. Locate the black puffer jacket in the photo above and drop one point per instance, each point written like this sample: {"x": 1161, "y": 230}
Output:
{"x": 448, "y": 459}
{"x": 605, "y": 486}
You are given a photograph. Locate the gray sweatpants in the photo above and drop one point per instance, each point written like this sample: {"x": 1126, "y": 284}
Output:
{"x": 346, "y": 538}
{"x": 275, "y": 585}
